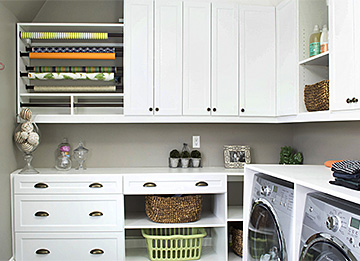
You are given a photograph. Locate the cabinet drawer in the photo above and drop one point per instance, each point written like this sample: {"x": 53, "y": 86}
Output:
{"x": 64, "y": 246}
{"x": 67, "y": 184}
{"x": 68, "y": 213}
{"x": 174, "y": 184}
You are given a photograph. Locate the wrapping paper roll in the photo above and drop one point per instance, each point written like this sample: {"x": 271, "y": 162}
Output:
{"x": 74, "y": 88}
{"x": 87, "y": 69}
{"x": 88, "y": 56}
{"x": 72, "y": 76}
{"x": 63, "y": 35}
{"x": 56, "y": 49}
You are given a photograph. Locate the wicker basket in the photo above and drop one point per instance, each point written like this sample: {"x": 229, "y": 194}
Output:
{"x": 316, "y": 96}
{"x": 237, "y": 240}
{"x": 166, "y": 209}
{"x": 174, "y": 243}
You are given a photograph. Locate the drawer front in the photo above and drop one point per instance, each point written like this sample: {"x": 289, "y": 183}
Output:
{"x": 68, "y": 213}
{"x": 174, "y": 184}
{"x": 63, "y": 246}
{"x": 67, "y": 184}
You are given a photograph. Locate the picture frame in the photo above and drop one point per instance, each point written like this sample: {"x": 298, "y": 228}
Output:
{"x": 236, "y": 156}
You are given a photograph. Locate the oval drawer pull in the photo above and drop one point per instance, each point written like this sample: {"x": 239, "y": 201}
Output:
{"x": 201, "y": 184}
{"x": 96, "y": 214}
{"x": 41, "y": 185}
{"x": 96, "y": 251}
{"x": 41, "y": 214}
{"x": 42, "y": 251}
{"x": 149, "y": 185}
{"x": 95, "y": 185}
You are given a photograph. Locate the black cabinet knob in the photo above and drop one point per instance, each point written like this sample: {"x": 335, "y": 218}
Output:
{"x": 156, "y": 109}
{"x": 348, "y": 100}
{"x": 214, "y": 109}
{"x": 354, "y": 100}
{"x": 150, "y": 109}
{"x": 208, "y": 109}
{"x": 242, "y": 110}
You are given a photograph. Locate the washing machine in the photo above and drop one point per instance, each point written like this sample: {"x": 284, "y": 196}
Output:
{"x": 330, "y": 230}
{"x": 269, "y": 231}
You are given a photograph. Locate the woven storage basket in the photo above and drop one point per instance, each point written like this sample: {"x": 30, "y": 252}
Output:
{"x": 237, "y": 240}
{"x": 316, "y": 96}
{"x": 174, "y": 243}
{"x": 165, "y": 209}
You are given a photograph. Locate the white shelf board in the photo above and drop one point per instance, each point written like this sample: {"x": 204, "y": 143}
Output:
{"x": 137, "y": 220}
{"x": 233, "y": 257}
{"x": 141, "y": 254}
{"x": 235, "y": 213}
{"x": 320, "y": 59}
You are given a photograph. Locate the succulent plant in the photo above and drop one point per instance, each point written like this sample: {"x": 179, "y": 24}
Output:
{"x": 185, "y": 154}
{"x": 174, "y": 154}
{"x": 195, "y": 154}
{"x": 289, "y": 156}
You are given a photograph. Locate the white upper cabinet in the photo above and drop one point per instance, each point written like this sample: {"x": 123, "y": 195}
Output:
{"x": 286, "y": 69}
{"x": 344, "y": 57}
{"x": 197, "y": 51}
{"x": 225, "y": 59}
{"x": 257, "y": 61}
{"x": 138, "y": 57}
{"x": 168, "y": 57}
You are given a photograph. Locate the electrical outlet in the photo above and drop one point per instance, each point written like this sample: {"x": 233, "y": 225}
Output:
{"x": 196, "y": 142}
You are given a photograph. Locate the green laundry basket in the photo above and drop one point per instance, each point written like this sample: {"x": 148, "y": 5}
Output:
{"x": 174, "y": 243}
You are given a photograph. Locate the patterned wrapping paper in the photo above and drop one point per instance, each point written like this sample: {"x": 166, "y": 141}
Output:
{"x": 86, "y": 69}
{"x": 88, "y": 56}
{"x": 49, "y": 49}
{"x": 74, "y": 89}
{"x": 63, "y": 35}
{"x": 72, "y": 76}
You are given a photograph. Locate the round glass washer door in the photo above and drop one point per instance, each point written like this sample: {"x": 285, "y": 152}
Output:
{"x": 265, "y": 239}
{"x": 323, "y": 247}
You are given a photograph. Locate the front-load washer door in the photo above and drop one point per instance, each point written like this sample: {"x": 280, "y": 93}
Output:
{"x": 265, "y": 238}
{"x": 323, "y": 247}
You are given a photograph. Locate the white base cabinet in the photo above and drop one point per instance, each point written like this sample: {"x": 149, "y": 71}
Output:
{"x": 100, "y": 212}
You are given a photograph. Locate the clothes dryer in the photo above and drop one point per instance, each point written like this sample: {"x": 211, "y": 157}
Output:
{"x": 270, "y": 223}
{"x": 331, "y": 229}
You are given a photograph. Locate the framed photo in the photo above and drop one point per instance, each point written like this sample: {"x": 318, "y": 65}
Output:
{"x": 235, "y": 156}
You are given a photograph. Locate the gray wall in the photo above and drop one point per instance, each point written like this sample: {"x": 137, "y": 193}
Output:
{"x": 320, "y": 142}
{"x": 133, "y": 145}
{"x": 7, "y": 124}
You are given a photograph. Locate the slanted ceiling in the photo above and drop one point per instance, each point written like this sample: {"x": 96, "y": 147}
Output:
{"x": 80, "y": 10}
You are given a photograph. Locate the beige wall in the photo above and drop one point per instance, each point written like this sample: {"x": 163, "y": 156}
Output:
{"x": 133, "y": 145}
{"x": 7, "y": 124}
{"x": 324, "y": 141}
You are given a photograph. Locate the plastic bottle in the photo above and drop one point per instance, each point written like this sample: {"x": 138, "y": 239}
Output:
{"x": 324, "y": 45}
{"x": 315, "y": 42}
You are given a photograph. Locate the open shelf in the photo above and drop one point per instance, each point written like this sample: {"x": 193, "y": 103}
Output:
{"x": 235, "y": 213}
{"x": 137, "y": 220}
{"x": 320, "y": 59}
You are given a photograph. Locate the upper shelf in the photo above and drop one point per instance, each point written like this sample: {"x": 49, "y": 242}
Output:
{"x": 320, "y": 59}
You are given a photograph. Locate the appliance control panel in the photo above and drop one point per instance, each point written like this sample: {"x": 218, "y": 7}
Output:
{"x": 279, "y": 195}
{"x": 335, "y": 217}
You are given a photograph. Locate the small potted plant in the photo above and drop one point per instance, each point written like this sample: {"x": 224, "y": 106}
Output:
{"x": 195, "y": 158}
{"x": 174, "y": 158}
{"x": 185, "y": 158}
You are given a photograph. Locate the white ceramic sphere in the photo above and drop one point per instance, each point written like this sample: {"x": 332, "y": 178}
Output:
{"x": 27, "y": 147}
{"x": 27, "y": 127}
{"x": 33, "y": 138}
{"x": 18, "y": 137}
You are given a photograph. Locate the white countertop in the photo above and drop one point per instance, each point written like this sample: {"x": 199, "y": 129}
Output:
{"x": 315, "y": 177}
{"x": 142, "y": 171}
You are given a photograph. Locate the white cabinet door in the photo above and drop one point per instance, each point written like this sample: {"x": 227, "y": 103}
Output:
{"x": 286, "y": 40}
{"x": 138, "y": 57}
{"x": 342, "y": 58}
{"x": 196, "y": 86}
{"x": 168, "y": 57}
{"x": 257, "y": 61}
{"x": 225, "y": 59}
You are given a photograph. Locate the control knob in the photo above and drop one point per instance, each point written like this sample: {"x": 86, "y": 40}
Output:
{"x": 333, "y": 223}
{"x": 265, "y": 191}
